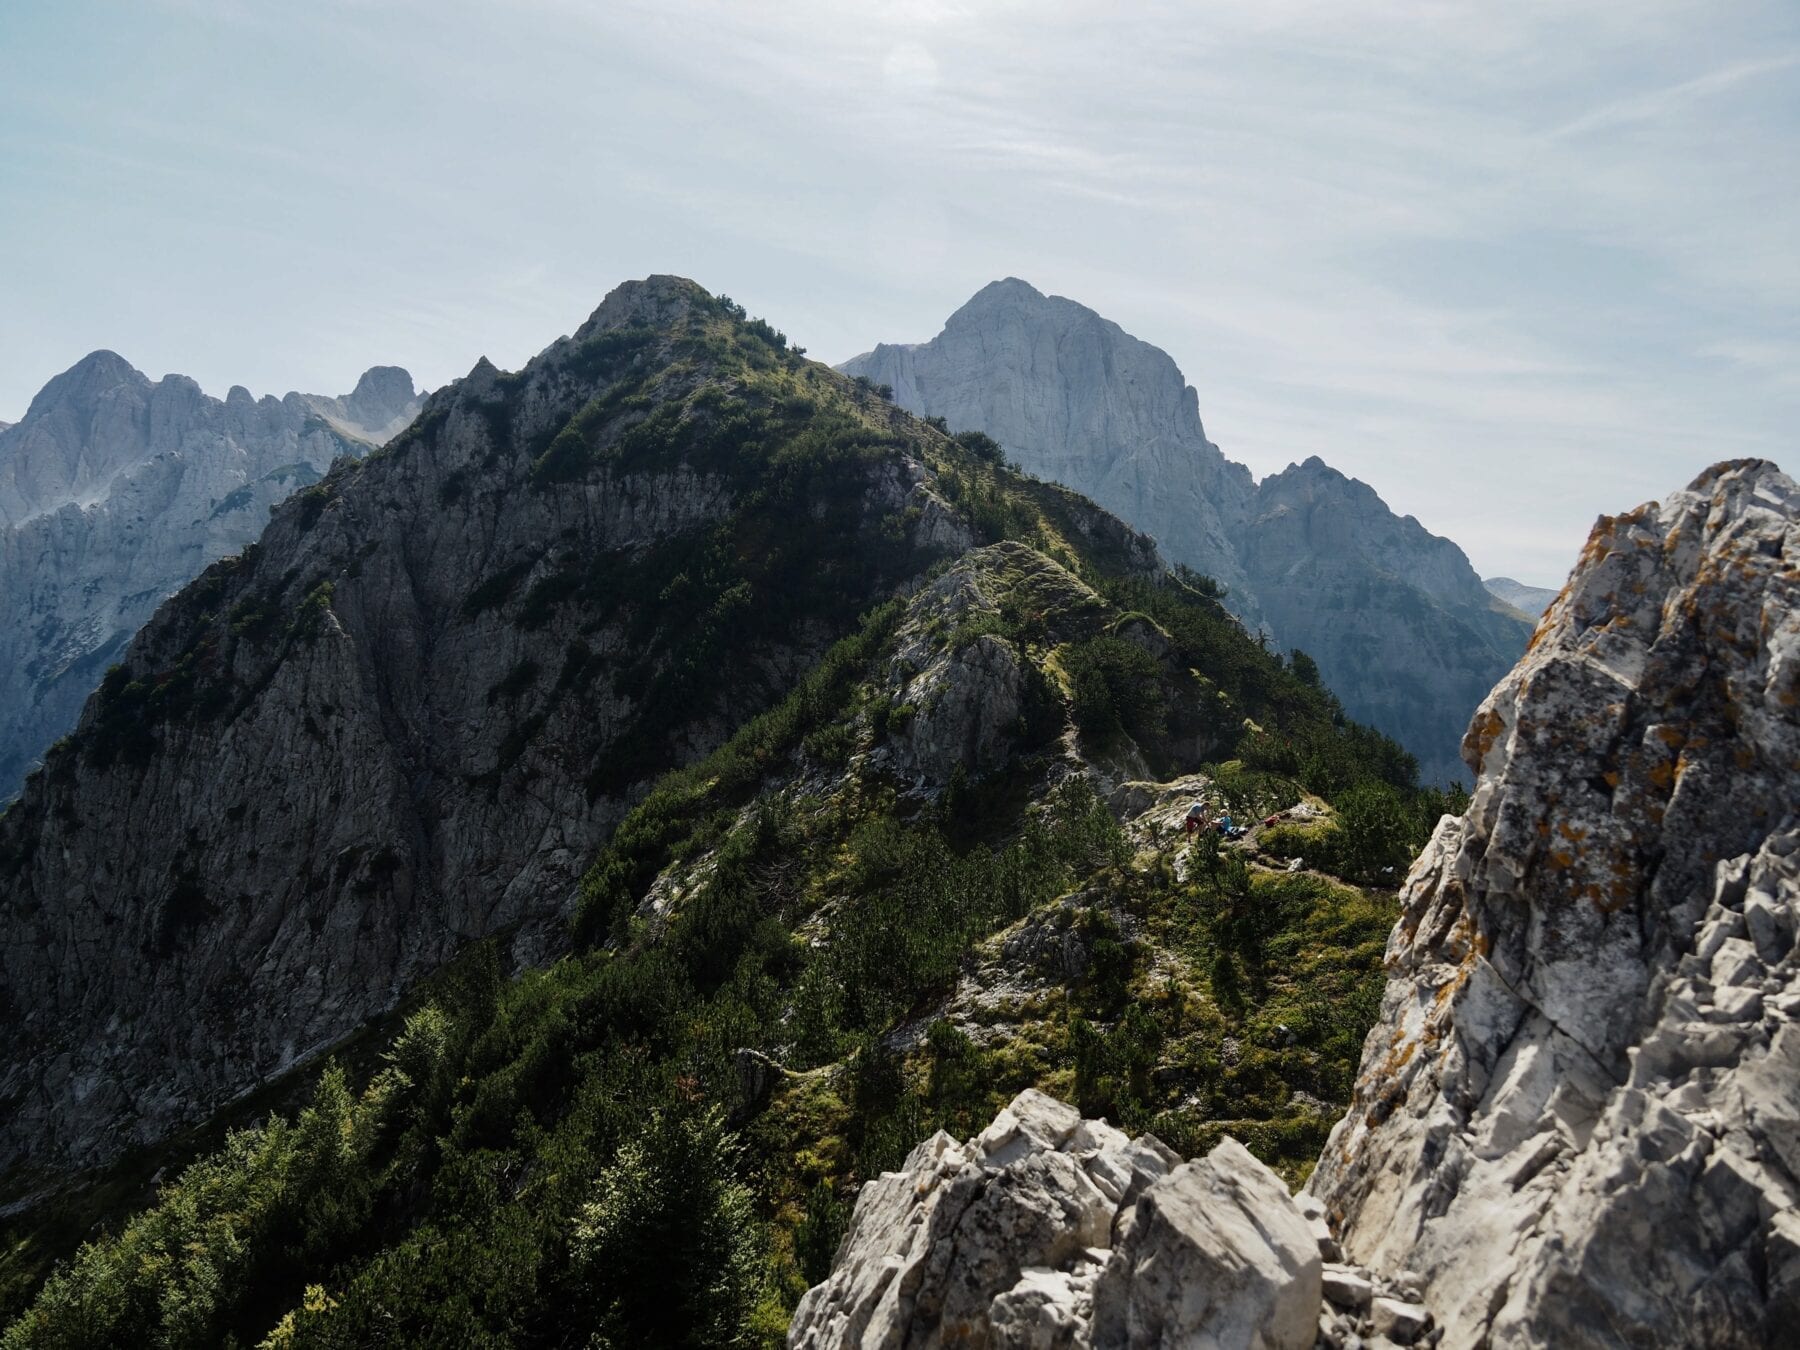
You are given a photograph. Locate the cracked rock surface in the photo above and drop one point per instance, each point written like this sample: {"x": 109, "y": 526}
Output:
{"x": 1578, "y": 1117}
{"x": 1053, "y": 1232}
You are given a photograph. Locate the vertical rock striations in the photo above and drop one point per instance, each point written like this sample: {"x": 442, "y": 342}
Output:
{"x": 1074, "y": 398}
{"x": 115, "y": 492}
{"x": 410, "y": 715}
{"x": 1398, "y": 622}
{"x": 1579, "y": 1115}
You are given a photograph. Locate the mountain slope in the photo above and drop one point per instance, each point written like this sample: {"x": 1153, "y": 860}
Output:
{"x": 1577, "y": 1121}
{"x": 773, "y": 933}
{"x": 406, "y": 718}
{"x": 116, "y": 491}
{"x": 1528, "y": 600}
{"x": 1395, "y": 617}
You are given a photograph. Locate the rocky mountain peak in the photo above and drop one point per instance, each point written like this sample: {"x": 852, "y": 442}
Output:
{"x": 92, "y": 377}
{"x": 382, "y": 393}
{"x": 658, "y": 301}
{"x": 1074, "y": 398}
{"x": 997, "y": 295}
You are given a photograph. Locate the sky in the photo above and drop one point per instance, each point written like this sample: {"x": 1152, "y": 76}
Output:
{"x": 1513, "y": 265}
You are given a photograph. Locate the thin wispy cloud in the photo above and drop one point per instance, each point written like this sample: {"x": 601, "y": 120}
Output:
{"x": 1513, "y": 266}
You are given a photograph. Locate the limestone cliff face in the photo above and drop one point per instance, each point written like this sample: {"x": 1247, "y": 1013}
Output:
{"x": 116, "y": 491}
{"x": 1578, "y": 1117}
{"x": 1076, "y": 399}
{"x": 407, "y": 718}
{"x": 1397, "y": 620}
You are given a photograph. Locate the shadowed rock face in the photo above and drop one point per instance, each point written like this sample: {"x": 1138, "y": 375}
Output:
{"x": 115, "y": 492}
{"x": 410, "y": 715}
{"x": 1400, "y": 625}
{"x": 1579, "y": 1115}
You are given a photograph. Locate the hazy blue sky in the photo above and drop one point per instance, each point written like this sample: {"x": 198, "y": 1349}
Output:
{"x": 1513, "y": 264}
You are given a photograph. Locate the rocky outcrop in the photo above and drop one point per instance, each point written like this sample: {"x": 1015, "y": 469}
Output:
{"x": 408, "y": 718}
{"x": 1528, "y": 600}
{"x": 1399, "y": 624}
{"x": 1578, "y": 1118}
{"x": 1052, "y": 1232}
{"x": 115, "y": 492}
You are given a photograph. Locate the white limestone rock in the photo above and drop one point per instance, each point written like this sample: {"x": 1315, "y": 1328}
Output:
{"x": 1578, "y": 1118}
{"x": 1051, "y": 1232}
{"x": 1216, "y": 1254}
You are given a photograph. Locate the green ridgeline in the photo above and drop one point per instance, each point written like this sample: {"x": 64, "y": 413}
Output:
{"x": 590, "y": 1153}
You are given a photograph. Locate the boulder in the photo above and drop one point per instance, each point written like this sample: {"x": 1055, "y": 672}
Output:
{"x": 1216, "y": 1254}
{"x": 1052, "y": 1232}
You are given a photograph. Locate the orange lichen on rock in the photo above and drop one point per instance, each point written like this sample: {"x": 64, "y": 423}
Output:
{"x": 1485, "y": 731}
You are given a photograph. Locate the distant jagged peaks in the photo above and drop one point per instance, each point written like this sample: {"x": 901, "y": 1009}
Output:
{"x": 116, "y": 490}
{"x": 102, "y": 416}
{"x": 1395, "y": 616}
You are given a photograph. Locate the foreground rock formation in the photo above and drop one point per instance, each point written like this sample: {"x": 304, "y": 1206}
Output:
{"x": 1047, "y": 1230}
{"x": 1578, "y": 1118}
{"x": 1402, "y": 629}
{"x": 116, "y": 491}
{"x": 1577, "y": 1121}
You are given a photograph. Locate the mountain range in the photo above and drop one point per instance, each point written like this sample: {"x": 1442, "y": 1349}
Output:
{"x": 115, "y": 491}
{"x": 471, "y": 697}
{"x": 675, "y": 849}
{"x": 1398, "y": 623}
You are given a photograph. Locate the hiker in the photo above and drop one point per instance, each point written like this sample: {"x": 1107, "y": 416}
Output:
{"x": 1225, "y": 825}
{"x": 1196, "y": 818}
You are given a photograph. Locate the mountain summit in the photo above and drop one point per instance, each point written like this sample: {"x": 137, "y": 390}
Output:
{"x": 1076, "y": 399}
{"x": 1396, "y": 619}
